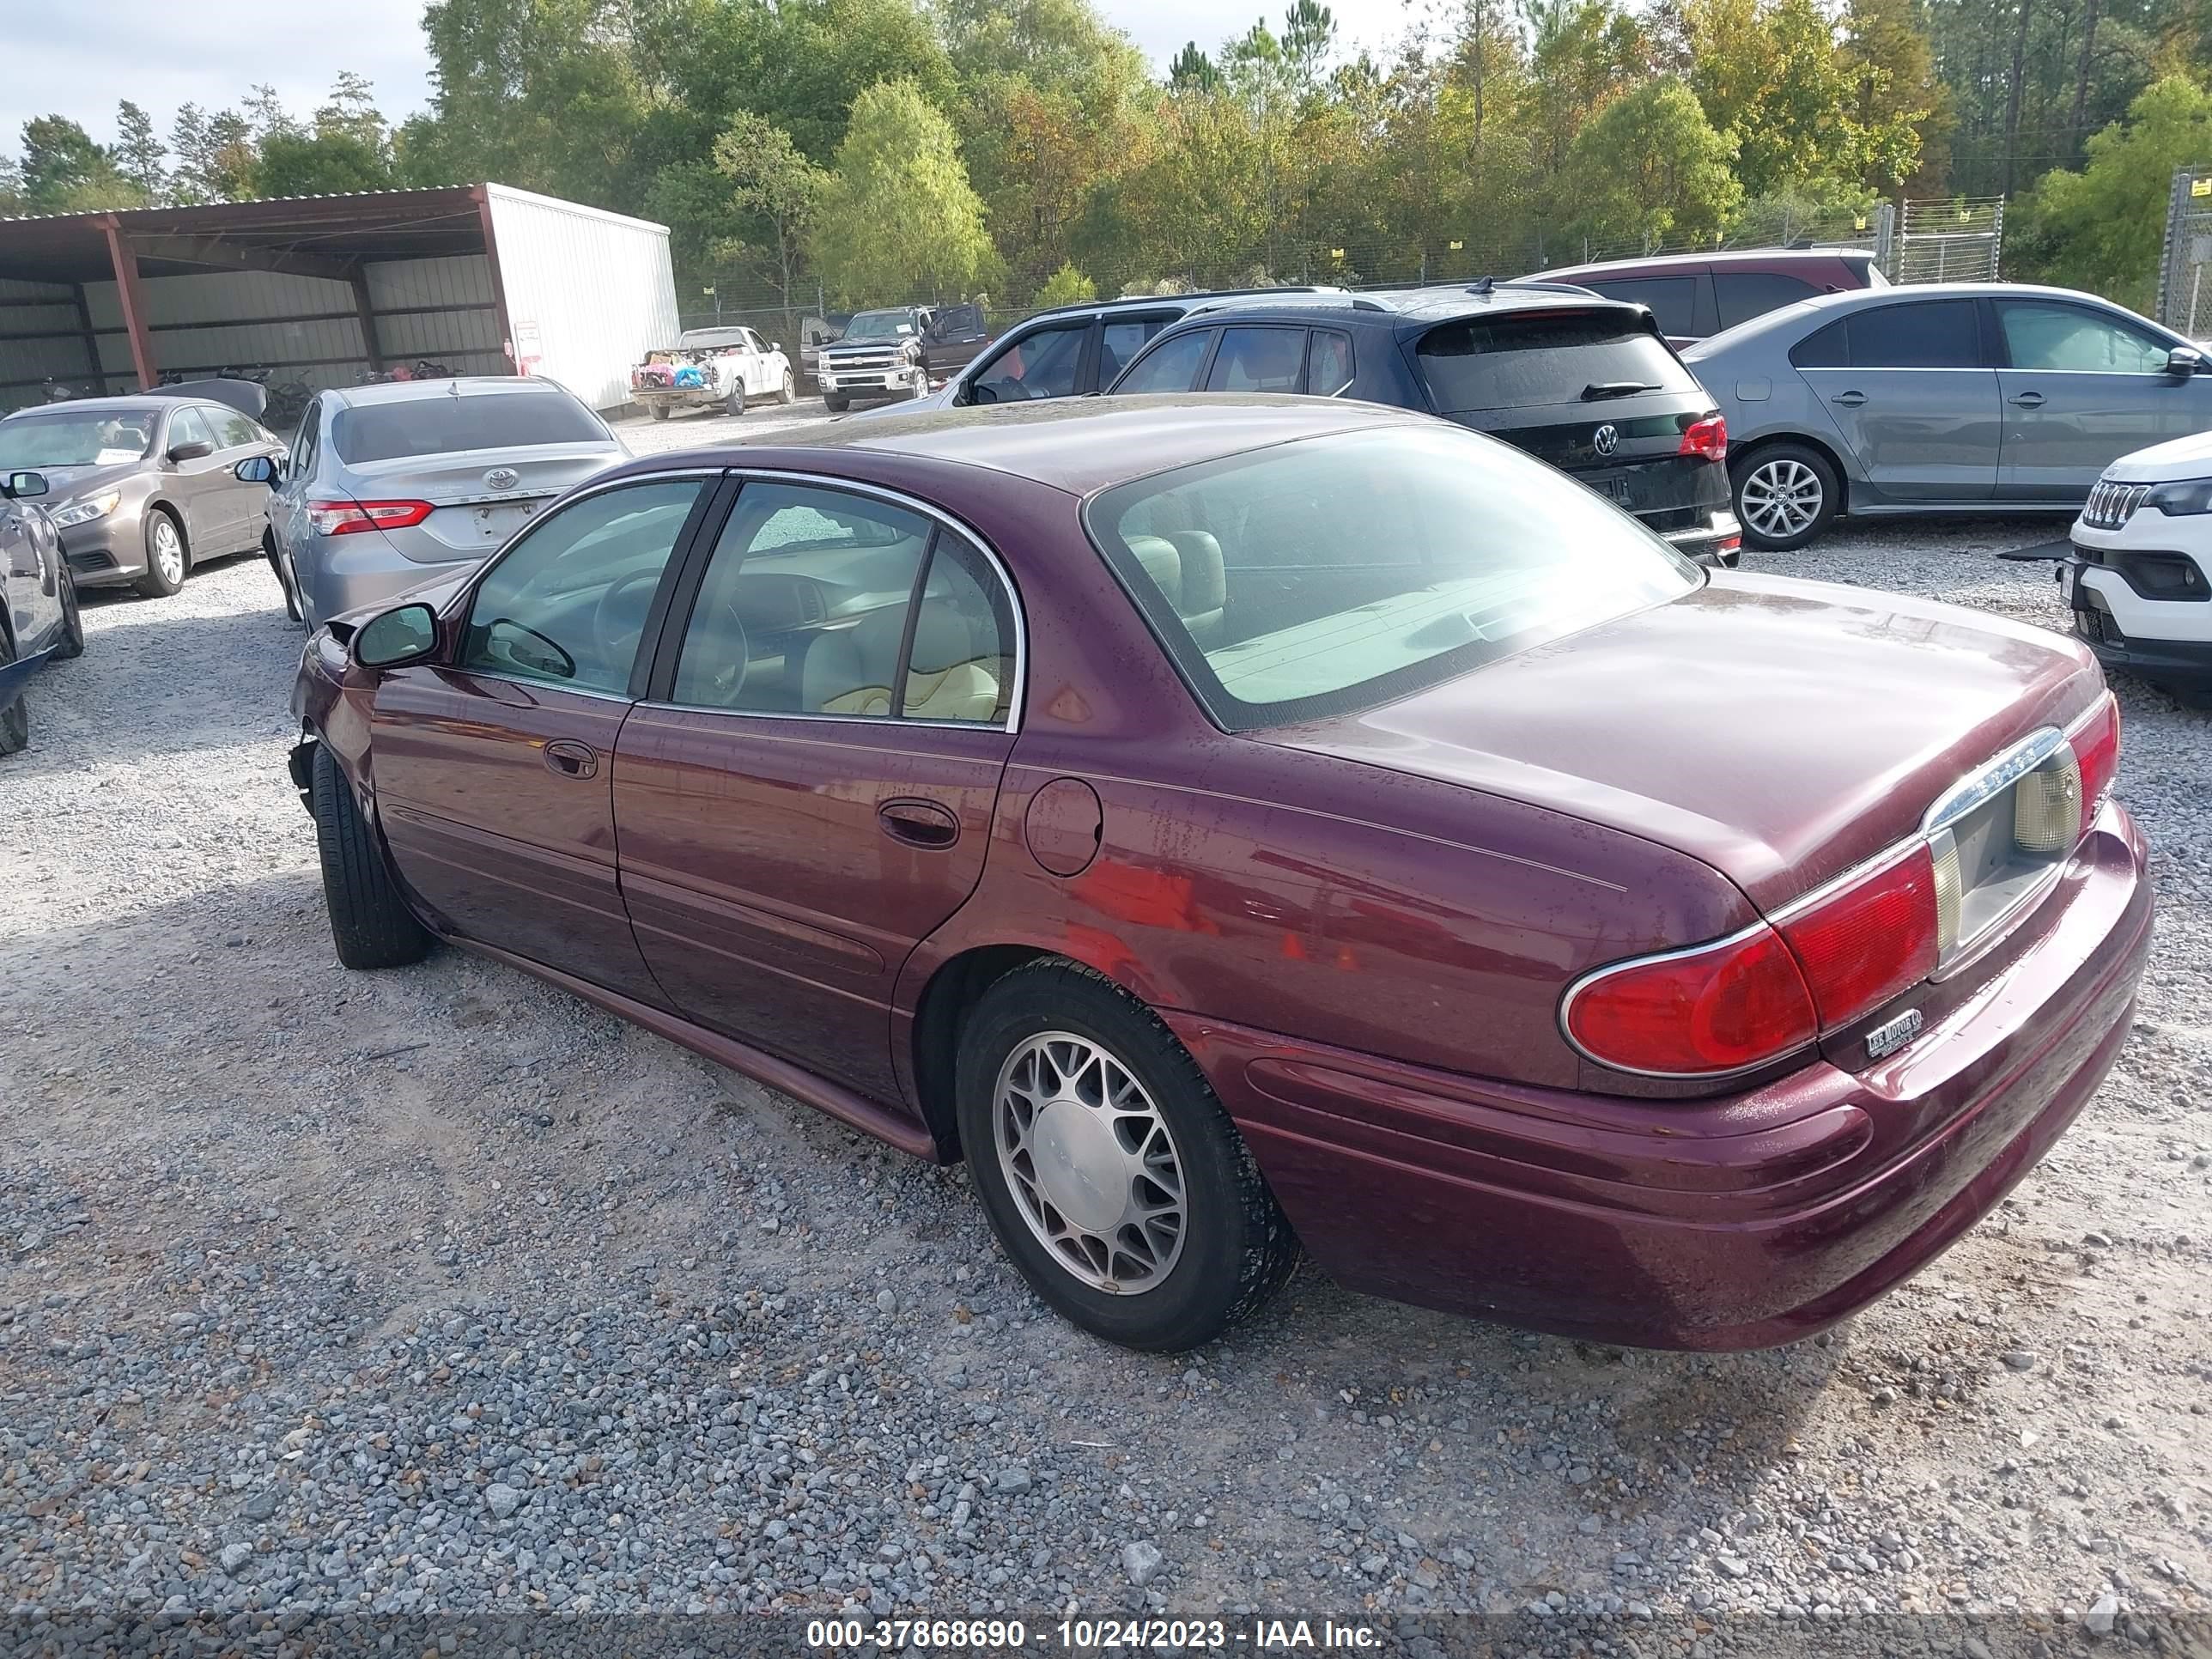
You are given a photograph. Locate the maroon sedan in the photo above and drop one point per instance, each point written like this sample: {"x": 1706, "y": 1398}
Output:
{"x": 1272, "y": 823}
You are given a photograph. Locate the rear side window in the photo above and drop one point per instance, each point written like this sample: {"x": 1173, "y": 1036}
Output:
{"x": 442, "y": 423}
{"x": 1824, "y": 348}
{"x": 1258, "y": 360}
{"x": 1170, "y": 368}
{"x": 1673, "y": 300}
{"x": 1121, "y": 339}
{"x": 1329, "y": 364}
{"x": 1929, "y": 334}
{"x": 1522, "y": 362}
{"x": 1741, "y": 295}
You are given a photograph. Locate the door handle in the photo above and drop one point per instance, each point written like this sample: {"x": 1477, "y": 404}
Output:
{"x": 919, "y": 822}
{"x": 1849, "y": 399}
{"x": 2029, "y": 400}
{"x": 570, "y": 759}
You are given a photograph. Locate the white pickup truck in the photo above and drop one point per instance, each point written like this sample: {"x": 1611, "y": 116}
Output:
{"x": 717, "y": 368}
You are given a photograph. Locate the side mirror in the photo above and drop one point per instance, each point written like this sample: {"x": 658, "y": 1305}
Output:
{"x": 404, "y": 635}
{"x": 194, "y": 450}
{"x": 981, "y": 392}
{"x": 776, "y": 345}
{"x": 2183, "y": 361}
{"x": 260, "y": 469}
{"x": 22, "y": 486}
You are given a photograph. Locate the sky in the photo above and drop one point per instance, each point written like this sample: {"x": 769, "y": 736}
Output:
{"x": 76, "y": 58}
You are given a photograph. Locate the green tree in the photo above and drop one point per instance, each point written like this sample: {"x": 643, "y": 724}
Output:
{"x": 1649, "y": 169}
{"x": 296, "y": 163}
{"x": 214, "y": 155}
{"x": 60, "y": 163}
{"x": 1193, "y": 69}
{"x": 773, "y": 186}
{"x": 898, "y": 217}
{"x": 1065, "y": 287}
{"x": 1892, "y": 65}
{"x": 2102, "y": 227}
{"x": 138, "y": 154}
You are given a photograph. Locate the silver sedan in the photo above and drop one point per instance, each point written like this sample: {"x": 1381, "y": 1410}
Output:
{"x": 393, "y": 485}
{"x": 1951, "y": 398}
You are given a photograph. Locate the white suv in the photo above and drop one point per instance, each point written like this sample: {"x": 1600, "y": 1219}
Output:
{"x": 2140, "y": 579}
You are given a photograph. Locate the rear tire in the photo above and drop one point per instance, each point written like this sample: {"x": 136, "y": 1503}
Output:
{"x": 1785, "y": 496}
{"x": 1045, "y": 1053}
{"x": 15, "y": 718}
{"x": 659, "y": 411}
{"x": 370, "y": 923}
{"x": 168, "y": 561}
{"x": 72, "y": 642}
{"x": 734, "y": 405}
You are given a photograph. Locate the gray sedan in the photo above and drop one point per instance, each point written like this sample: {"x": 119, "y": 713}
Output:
{"x": 1952, "y": 397}
{"x": 39, "y": 620}
{"x": 394, "y": 485}
{"x": 143, "y": 489}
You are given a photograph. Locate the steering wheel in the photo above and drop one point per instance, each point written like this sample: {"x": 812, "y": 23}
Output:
{"x": 617, "y": 635}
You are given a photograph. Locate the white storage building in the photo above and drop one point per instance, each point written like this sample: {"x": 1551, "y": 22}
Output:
{"x": 328, "y": 290}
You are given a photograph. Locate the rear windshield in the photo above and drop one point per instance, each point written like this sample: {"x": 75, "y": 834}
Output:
{"x": 1336, "y": 573}
{"x": 442, "y": 423}
{"x": 1517, "y": 362}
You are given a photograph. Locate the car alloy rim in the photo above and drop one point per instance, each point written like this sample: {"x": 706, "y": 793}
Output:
{"x": 1090, "y": 1161}
{"x": 1782, "y": 498}
{"x": 168, "y": 554}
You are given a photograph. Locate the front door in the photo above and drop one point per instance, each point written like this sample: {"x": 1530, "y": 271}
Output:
{"x": 195, "y": 483}
{"x": 1915, "y": 402}
{"x": 492, "y": 772}
{"x": 810, "y": 793}
{"x": 2083, "y": 387}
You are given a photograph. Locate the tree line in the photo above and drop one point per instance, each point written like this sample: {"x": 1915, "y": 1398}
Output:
{"x": 876, "y": 150}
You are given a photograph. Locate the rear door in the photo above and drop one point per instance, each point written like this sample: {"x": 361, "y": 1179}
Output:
{"x": 492, "y": 772}
{"x": 2083, "y": 386}
{"x": 808, "y": 794}
{"x": 1913, "y": 397}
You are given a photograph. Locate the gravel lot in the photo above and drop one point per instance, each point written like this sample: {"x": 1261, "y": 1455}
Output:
{"x": 302, "y": 1313}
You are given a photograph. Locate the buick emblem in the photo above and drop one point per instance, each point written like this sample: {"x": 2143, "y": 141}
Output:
{"x": 1606, "y": 440}
{"x": 506, "y": 477}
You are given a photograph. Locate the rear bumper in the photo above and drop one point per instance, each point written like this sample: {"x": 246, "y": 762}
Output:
{"x": 1738, "y": 1223}
{"x": 336, "y": 573}
{"x": 1719, "y": 541}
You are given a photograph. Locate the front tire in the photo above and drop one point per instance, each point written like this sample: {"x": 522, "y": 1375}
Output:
{"x": 835, "y": 405}
{"x": 787, "y": 394}
{"x": 1786, "y": 495}
{"x": 72, "y": 640}
{"x": 15, "y": 718}
{"x": 166, "y": 561}
{"x": 370, "y": 923}
{"x": 277, "y": 568}
{"x": 1107, "y": 1166}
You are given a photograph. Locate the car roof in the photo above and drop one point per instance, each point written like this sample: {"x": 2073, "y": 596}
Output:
{"x": 1821, "y": 308}
{"x": 1189, "y": 302}
{"x": 1073, "y": 445}
{"x": 135, "y": 402}
{"x": 1741, "y": 256}
{"x": 460, "y": 386}
{"x": 1419, "y": 308}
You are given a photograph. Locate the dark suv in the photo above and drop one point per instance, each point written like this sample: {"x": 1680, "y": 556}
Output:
{"x": 1585, "y": 383}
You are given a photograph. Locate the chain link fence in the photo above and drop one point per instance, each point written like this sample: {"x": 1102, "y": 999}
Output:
{"x": 2184, "y": 292}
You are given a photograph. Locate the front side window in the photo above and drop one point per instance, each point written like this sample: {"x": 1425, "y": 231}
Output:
{"x": 1561, "y": 357}
{"x": 304, "y": 440}
{"x": 1258, "y": 360}
{"x": 820, "y": 602}
{"x": 2070, "y": 339}
{"x": 1928, "y": 334}
{"x": 1039, "y": 365}
{"x": 1170, "y": 367}
{"x": 569, "y": 604}
{"x": 188, "y": 426}
{"x": 442, "y": 424}
{"x": 1335, "y": 573}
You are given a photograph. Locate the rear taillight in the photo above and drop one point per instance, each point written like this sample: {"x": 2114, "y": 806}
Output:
{"x": 1721, "y": 1007}
{"x": 351, "y": 518}
{"x": 1863, "y": 941}
{"x": 2095, "y": 740}
{"x": 1707, "y": 439}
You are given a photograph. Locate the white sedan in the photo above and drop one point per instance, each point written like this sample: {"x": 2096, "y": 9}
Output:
{"x": 2140, "y": 576}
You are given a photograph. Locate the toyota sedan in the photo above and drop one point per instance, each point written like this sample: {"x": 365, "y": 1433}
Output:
{"x": 1237, "y": 825}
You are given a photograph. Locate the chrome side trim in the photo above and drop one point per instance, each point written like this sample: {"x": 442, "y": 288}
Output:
{"x": 1596, "y": 976}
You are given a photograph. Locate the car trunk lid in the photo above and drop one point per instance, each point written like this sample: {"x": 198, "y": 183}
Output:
{"x": 481, "y": 496}
{"x": 1780, "y": 731}
{"x": 1628, "y": 450}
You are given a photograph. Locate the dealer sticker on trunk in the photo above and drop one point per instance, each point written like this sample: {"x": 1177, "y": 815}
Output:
{"x": 1892, "y": 1034}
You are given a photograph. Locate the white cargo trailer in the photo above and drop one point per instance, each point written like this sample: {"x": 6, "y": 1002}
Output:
{"x": 325, "y": 291}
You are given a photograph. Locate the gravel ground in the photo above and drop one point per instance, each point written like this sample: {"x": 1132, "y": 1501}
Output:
{"x": 437, "y": 1291}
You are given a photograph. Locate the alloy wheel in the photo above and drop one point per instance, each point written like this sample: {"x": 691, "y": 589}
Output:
{"x": 1781, "y": 498}
{"x": 168, "y": 550}
{"x": 1090, "y": 1163}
